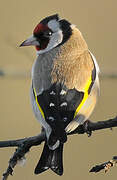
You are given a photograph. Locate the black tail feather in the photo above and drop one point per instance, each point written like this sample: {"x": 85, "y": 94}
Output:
{"x": 57, "y": 160}
{"x": 44, "y": 161}
{"x": 51, "y": 159}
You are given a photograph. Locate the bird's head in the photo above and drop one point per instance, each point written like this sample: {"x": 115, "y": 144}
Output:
{"x": 49, "y": 33}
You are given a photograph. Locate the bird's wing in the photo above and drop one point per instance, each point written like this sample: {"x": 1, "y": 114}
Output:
{"x": 88, "y": 102}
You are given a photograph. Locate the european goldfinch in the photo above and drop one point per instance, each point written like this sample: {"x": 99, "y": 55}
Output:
{"x": 65, "y": 85}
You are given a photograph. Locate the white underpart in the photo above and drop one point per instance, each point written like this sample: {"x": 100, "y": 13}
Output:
{"x": 97, "y": 68}
{"x": 96, "y": 64}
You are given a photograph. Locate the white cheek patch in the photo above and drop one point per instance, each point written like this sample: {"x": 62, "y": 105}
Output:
{"x": 55, "y": 40}
{"x": 54, "y": 25}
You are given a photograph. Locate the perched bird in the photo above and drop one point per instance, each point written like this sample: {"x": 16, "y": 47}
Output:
{"x": 65, "y": 85}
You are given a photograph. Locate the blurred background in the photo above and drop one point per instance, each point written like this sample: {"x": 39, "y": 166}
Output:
{"x": 97, "y": 20}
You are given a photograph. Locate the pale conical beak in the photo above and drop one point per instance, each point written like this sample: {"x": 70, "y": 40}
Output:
{"x": 31, "y": 41}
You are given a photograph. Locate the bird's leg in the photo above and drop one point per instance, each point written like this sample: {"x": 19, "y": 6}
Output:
{"x": 86, "y": 129}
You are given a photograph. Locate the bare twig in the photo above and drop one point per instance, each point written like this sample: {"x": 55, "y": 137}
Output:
{"x": 105, "y": 166}
{"x": 24, "y": 145}
{"x": 89, "y": 126}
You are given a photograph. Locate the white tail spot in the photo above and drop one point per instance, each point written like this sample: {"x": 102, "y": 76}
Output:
{"x": 52, "y": 104}
{"x": 64, "y": 104}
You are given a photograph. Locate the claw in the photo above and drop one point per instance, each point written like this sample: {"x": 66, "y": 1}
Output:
{"x": 85, "y": 126}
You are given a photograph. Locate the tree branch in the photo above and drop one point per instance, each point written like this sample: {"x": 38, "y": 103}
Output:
{"x": 24, "y": 145}
{"x": 89, "y": 126}
{"x": 105, "y": 166}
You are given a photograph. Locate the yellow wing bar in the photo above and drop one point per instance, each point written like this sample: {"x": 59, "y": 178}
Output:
{"x": 42, "y": 113}
{"x": 85, "y": 96}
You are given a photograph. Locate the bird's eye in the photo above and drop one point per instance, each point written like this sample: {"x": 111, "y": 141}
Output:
{"x": 50, "y": 33}
{"x": 43, "y": 34}
{"x": 47, "y": 33}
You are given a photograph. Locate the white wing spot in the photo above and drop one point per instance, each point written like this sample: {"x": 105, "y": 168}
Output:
{"x": 65, "y": 119}
{"x": 51, "y": 118}
{"x": 64, "y": 104}
{"x": 52, "y": 104}
{"x": 52, "y": 93}
{"x": 62, "y": 92}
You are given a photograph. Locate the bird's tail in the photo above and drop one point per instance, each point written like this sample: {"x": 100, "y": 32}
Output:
{"x": 52, "y": 159}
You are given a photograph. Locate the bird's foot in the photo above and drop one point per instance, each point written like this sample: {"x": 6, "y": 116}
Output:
{"x": 86, "y": 129}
